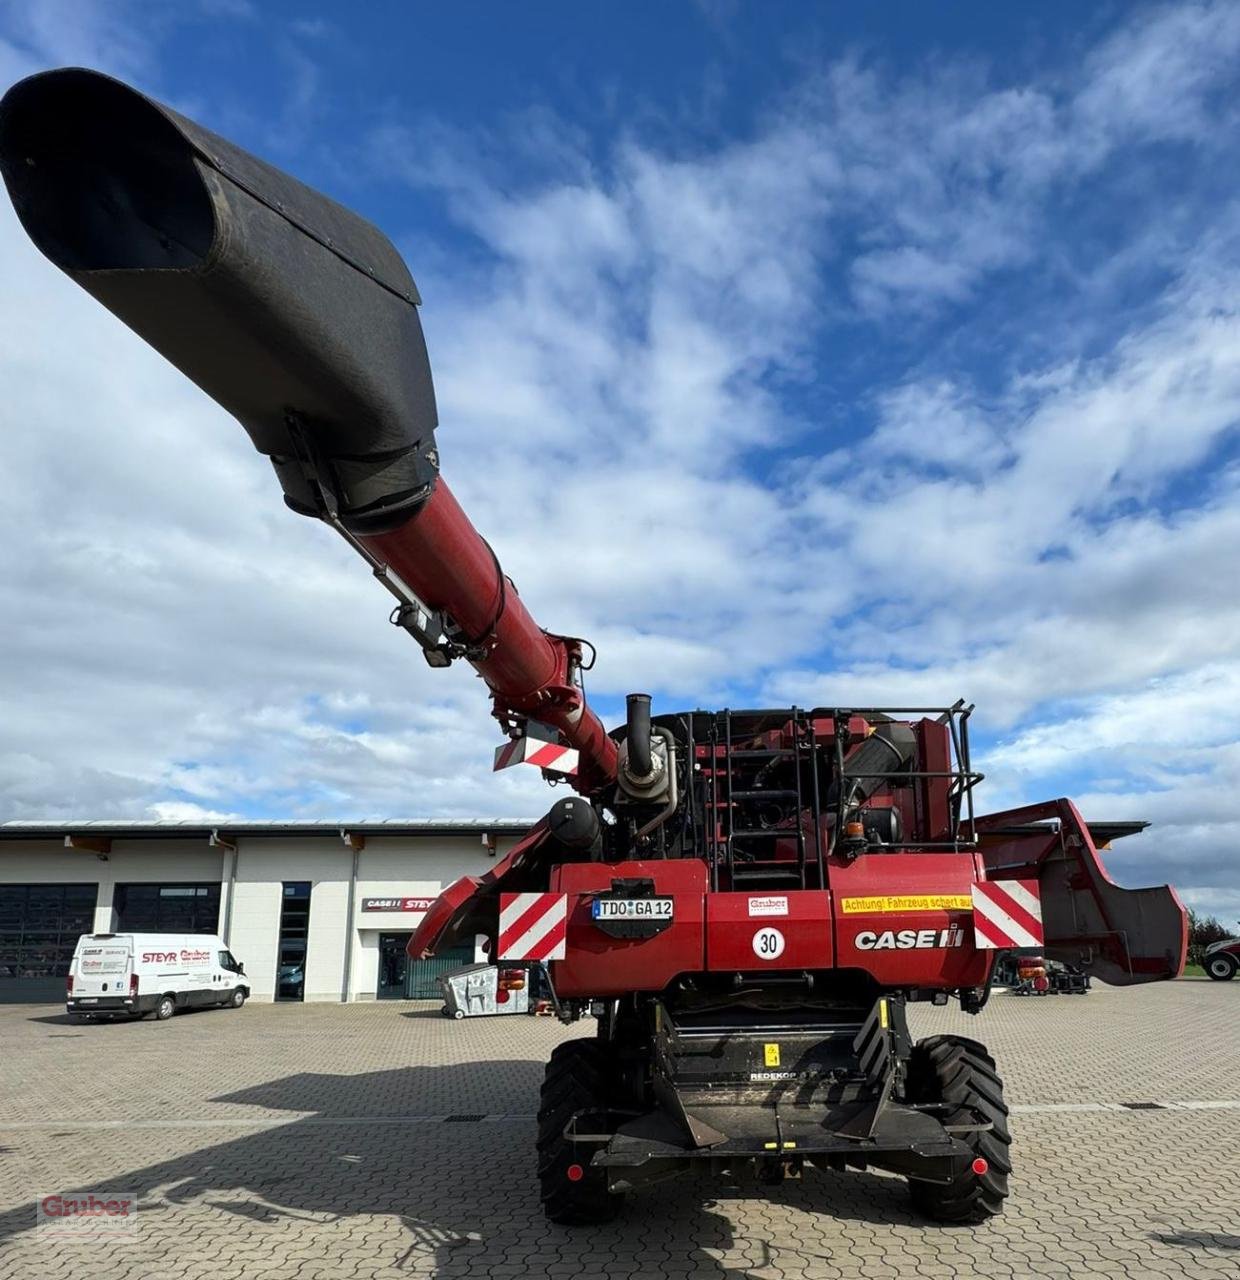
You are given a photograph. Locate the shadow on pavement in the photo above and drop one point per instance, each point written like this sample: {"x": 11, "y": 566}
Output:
{"x": 1197, "y": 1239}
{"x": 464, "y": 1192}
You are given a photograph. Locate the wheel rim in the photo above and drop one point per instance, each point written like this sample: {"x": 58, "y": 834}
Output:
{"x": 1221, "y": 966}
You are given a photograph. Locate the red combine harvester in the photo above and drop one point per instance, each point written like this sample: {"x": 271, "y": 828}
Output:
{"x": 747, "y": 901}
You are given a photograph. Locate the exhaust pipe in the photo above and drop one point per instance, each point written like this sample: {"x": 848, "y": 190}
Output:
{"x": 639, "y": 763}
{"x": 290, "y": 311}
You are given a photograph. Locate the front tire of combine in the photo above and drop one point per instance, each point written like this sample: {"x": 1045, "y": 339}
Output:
{"x": 572, "y": 1193}
{"x": 961, "y": 1073}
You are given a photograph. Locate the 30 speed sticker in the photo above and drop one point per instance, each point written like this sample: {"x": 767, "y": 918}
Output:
{"x": 910, "y": 902}
{"x": 768, "y": 944}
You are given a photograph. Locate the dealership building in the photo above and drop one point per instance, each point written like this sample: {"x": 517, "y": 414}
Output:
{"x": 314, "y": 910}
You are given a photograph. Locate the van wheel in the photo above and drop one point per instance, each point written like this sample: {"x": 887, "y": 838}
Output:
{"x": 166, "y": 1007}
{"x": 238, "y": 998}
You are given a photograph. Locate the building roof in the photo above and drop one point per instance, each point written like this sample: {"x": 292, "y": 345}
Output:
{"x": 120, "y": 829}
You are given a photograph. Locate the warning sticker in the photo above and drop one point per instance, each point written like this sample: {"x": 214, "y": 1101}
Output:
{"x": 912, "y": 902}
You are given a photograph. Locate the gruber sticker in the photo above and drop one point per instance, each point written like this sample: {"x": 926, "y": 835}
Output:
{"x": 769, "y": 906}
{"x": 768, "y": 944}
{"x": 910, "y": 939}
{"x": 911, "y": 902}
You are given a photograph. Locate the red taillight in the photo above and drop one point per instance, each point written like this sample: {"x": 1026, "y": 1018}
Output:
{"x": 133, "y": 984}
{"x": 980, "y": 1166}
{"x": 69, "y": 985}
{"x": 575, "y": 1173}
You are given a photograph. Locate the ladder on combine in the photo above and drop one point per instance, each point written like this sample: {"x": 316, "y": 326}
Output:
{"x": 762, "y": 816}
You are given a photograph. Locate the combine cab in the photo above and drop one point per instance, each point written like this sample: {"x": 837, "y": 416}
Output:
{"x": 746, "y": 901}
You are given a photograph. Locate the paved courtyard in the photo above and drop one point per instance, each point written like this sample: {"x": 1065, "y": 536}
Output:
{"x": 323, "y": 1141}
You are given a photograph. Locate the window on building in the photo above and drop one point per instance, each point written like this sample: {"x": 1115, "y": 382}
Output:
{"x": 167, "y": 908}
{"x": 39, "y": 928}
{"x": 294, "y": 934}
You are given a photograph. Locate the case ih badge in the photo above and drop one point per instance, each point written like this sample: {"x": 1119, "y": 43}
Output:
{"x": 734, "y": 856}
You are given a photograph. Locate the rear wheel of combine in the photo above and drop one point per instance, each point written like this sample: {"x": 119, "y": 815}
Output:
{"x": 572, "y": 1193}
{"x": 961, "y": 1073}
{"x": 1221, "y": 967}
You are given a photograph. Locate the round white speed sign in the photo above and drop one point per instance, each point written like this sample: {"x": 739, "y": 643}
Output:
{"x": 768, "y": 944}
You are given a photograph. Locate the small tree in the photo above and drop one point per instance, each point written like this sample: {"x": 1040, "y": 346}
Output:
{"x": 1202, "y": 931}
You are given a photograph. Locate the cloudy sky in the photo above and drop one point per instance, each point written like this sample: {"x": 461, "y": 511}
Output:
{"x": 790, "y": 354}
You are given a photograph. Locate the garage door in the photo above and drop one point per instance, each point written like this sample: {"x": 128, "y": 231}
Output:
{"x": 402, "y": 978}
{"x": 39, "y": 927}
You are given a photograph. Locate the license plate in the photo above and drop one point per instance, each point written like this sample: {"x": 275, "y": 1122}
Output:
{"x": 88, "y": 1000}
{"x": 633, "y": 908}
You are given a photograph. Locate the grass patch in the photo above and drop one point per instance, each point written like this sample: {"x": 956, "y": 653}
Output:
{"x": 1194, "y": 971}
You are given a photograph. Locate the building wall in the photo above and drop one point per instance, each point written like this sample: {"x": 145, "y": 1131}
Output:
{"x": 130, "y": 861}
{"x": 388, "y": 866}
{"x": 386, "y": 870}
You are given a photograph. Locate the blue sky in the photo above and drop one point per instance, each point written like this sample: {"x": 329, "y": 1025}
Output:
{"x": 907, "y": 334}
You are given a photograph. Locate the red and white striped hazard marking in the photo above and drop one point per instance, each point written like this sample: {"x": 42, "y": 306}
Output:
{"x": 1007, "y": 913}
{"x": 532, "y": 926}
{"x": 546, "y": 755}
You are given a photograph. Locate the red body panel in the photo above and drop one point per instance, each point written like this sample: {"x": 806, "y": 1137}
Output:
{"x": 921, "y": 945}
{"x": 803, "y": 926}
{"x": 882, "y": 880}
{"x": 600, "y": 965}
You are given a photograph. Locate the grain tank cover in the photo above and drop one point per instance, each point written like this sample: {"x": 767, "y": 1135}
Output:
{"x": 282, "y": 305}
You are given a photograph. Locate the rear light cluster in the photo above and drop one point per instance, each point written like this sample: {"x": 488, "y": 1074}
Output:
{"x": 512, "y": 979}
{"x": 69, "y": 985}
{"x": 133, "y": 984}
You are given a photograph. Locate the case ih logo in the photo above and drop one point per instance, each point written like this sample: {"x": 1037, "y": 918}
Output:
{"x": 910, "y": 939}
{"x": 397, "y": 904}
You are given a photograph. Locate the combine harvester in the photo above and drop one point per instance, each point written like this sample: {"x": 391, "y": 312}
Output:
{"x": 747, "y": 901}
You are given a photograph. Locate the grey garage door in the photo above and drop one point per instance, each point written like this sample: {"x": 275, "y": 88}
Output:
{"x": 39, "y": 927}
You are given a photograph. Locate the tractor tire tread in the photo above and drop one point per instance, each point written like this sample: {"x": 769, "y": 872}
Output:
{"x": 576, "y": 1080}
{"x": 962, "y": 1073}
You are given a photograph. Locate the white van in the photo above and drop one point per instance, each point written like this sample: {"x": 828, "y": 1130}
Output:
{"x": 133, "y": 974}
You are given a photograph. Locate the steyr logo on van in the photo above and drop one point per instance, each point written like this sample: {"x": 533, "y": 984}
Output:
{"x": 909, "y": 939}
{"x": 171, "y": 957}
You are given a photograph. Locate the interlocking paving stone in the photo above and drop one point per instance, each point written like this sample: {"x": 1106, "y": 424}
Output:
{"x": 312, "y": 1141}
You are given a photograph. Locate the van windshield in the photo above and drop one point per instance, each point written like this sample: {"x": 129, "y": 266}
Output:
{"x": 103, "y": 960}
